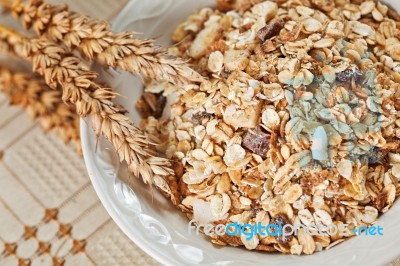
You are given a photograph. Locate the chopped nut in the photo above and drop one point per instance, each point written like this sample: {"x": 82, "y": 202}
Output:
{"x": 236, "y": 60}
{"x": 216, "y": 61}
{"x": 270, "y": 118}
{"x": 204, "y": 39}
{"x": 267, "y": 10}
{"x": 234, "y": 154}
{"x": 220, "y": 205}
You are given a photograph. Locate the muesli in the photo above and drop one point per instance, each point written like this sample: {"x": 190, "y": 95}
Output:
{"x": 298, "y": 122}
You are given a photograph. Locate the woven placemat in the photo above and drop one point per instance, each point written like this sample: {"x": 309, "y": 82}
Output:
{"x": 49, "y": 212}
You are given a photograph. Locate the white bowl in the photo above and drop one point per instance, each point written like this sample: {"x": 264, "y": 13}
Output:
{"x": 150, "y": 221}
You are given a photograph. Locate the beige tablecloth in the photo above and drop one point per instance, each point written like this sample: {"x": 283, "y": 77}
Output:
{"x": 49, "y": 213}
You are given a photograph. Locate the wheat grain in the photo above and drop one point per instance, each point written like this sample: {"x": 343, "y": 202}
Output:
{"x": 95, "y": 40}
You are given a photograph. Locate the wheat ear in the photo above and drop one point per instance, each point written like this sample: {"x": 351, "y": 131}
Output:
{"x": 41, "y": 103}
{"x": 95, "y": 40}
{"x": 90, "y": 98}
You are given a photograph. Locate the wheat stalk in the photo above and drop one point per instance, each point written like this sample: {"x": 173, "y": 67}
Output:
{"x": 41, "y": 103}
{"x": 95, "y": 40}
{"x": 90, "y": 98}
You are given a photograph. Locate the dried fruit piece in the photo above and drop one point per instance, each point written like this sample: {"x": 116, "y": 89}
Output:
{"x": 377, "y": 156}
{"x": 282, "y": 220}
{"x": 151, "y": 105}
{"x": 257, "y": 141}
{"x": 380, "y": 200}
{"x": 199, "y": 117}
{"x": 350, "y": 74}
{"x": 271, "y": 30}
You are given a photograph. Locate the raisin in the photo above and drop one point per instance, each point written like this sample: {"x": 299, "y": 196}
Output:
{"x": 160, "y": 105}
{"x": 350, "y": 74}
{"x": 377, "y": 156}
{"x": 255, "y": 212}
{"x": 344, "y": 76}
{"x": 258, "y": 142}
{"x": 199, "y": 117}
{"x": 281, "y": 218}
{"x": 225, "y": 74}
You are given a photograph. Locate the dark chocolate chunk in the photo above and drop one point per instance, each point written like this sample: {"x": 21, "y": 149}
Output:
{"x": 257, "y": 141}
